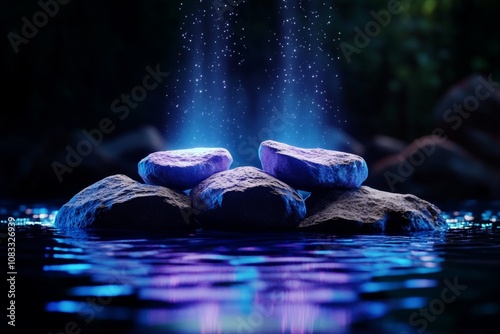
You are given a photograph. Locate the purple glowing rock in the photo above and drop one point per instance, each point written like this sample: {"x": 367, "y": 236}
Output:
{"x": 312, "y": 168}
{"x": 183, "y": 169}
{"x": 367, "y": 210}
{"x": 246, "y": 198}
{"x": 118, "y": 202}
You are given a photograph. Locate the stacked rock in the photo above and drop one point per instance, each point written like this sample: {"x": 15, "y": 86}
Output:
{"x": 248, "y": 198}
{"x": 183, "y": 169}
{"x": 314, "y": 168}
{"x": 338, "y": 202}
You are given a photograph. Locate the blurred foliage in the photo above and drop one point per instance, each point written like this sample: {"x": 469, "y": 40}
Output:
{"x": 393, "y": 84}
{"x": 66, "y": 77}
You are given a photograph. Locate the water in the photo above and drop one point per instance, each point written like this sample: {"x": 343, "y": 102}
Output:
{"x": 214, "y": 282}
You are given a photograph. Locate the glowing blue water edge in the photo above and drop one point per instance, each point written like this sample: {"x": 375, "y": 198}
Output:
{"x": 228, "y": 282}
{"x": 231, "y": 93}
{"x": 24, "y": 215}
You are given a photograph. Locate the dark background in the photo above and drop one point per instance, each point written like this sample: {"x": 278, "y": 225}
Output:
{"x": 65, "y": 78}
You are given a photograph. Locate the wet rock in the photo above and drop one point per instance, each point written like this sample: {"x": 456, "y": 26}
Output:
{"x": 183, "y": 169}
{"x": 310, "y": 169}
{"x": 118, "y": 202}
{"x": 367, "y": 210}
{"x": 246, "y": 198}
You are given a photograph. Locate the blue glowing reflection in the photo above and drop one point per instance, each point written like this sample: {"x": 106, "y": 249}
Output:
{"x": 102, "y": 290}
{"x": 249, "y": 284}
{"x": 64, "y": 306}
{"x": 72, "y": 268}
{"x": 216, "y": 282}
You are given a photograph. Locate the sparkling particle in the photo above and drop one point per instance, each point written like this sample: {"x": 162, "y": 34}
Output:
{"x": 234, "y": 91}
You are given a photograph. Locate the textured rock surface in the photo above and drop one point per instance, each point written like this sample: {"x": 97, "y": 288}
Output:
{"x": 311, "y": 169}
{"x": 183, "y": 169}
{"x": 246, "y": 198}
{"x": 369, "y": 210}
{"x": 119, "y": 202}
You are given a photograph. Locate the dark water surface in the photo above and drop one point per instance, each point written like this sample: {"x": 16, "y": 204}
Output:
{"x": 213, "y": 282}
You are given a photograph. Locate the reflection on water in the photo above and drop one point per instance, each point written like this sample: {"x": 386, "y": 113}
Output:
{"x": 212, "y": 282}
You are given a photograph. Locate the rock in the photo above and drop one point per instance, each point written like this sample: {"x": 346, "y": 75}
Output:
{"x": 435, "y": 168}
{"x": 183, "y": 169}
{"x": 312, "y": 169}
{"x": 379, "y": 147}
{"x": 118, "y": 202}
{"x": 478, "y": 134}
{"x": 368, "y": 210}
{"x": 246, "y": 198}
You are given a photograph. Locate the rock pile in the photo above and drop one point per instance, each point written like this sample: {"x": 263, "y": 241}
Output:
{"x": 248, "y": 198}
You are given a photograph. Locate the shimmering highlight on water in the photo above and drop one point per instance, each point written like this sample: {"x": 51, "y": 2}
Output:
{"x": 213, "y": 282}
